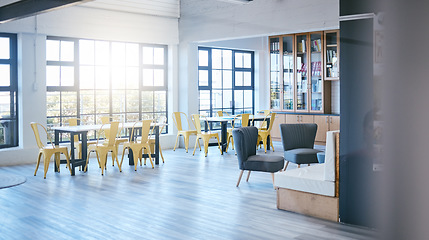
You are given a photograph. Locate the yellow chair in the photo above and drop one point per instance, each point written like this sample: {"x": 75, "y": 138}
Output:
{"x": 138, "y": 144}
{"x": 263, "y": 124}
{"x": 264, "y": 134}
{"x": 222, "y": 113}
{"x": 244, "y": 123}
{"x": 119, "y": 139}
{"x": 48, "y": 151}
{"x": 152, "y": 140}
{"x": 102, "y": 149}
{"x": 177, "y": 119}
{"x": 203, "y": 135}
{"x": 78, "y": 144}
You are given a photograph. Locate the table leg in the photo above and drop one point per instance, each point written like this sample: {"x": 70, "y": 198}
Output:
{"x": 84, "y": 151}
{"x": 72, "y": 156}
{"x": 268, "y": 139}
{"x": 57, "y": 143}
{"x": 130, "y": 152}
{"x": 156, "y": 145}
{"x": 224, "y": 135}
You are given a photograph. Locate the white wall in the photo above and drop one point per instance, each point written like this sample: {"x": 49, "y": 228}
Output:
{"x": 207, "y": 22}
{"x": 79, "y": 22}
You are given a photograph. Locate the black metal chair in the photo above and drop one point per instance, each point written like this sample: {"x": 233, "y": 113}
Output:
{"x": 245, "y": 140}
{"x": 298, "y": 143}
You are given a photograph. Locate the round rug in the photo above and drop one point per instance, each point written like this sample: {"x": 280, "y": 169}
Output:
{"x": 11, "y": 180}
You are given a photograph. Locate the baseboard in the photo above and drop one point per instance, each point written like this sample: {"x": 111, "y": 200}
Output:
{"x": 310, "y": 204}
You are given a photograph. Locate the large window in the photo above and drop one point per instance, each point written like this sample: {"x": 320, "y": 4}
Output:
{"x": 89, "y": 79}
{"x": 225, "y": 81}
{"x": 8, "y": 91}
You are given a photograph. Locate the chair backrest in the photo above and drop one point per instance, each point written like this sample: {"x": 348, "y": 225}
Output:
{"x": 197, "y": 122}
{"x": 110, "y": 133}
{"x": 244, "y": 119}
{"x": 105, "y": 120}
{"x": 35, "y": 128}
{"x": 177, "y": 119}
{"x": 273, "y": 116}
{"x": 245, "y": 139}
{"x": 297, "y": 135}
{"x": 145, "y": 130}
{"x": 222, "y": 113}
{"x": 73, "y": 122}
{"x": 162, "y": 120}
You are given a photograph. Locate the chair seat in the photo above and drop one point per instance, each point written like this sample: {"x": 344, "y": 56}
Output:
{"x": 301, "y": 155}
{"x": 264, "y": 163}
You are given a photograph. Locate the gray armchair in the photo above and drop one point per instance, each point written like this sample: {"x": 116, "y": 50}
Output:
{"x": 298, "y": 143}
{"x": 245, "y": 140}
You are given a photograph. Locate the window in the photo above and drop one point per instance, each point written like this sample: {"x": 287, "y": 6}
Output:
{"x": 225, "y": 81}
{"x": 89, "y": 79}
{"x": 8, "y": 91}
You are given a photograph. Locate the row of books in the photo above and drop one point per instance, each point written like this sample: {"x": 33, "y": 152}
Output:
{"x": 301, "y": 46}
{"x": 275, "y": 46}
{"x": 316, "y": 68}
{"x": 330, "y": 55}
{"x": 316, "y": 45}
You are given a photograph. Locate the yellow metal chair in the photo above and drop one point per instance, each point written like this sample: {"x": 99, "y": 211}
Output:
{"x": 177, "y": 119}
{"x": 222, "y": 113}
{"x": 244, "y": 123}
{"x": 48, "y": 151}
{"x": 204, "y": 135}
{"x": 263, "y": 124}
{"x": 78, "y": 144}
{"x": 102, "y": 149}
{"x": 137, "y": 145}
{"x": 119, "y": 140}
{"x": 264, "y": 134}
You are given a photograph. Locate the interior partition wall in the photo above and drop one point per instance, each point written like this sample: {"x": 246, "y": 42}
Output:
{"x": 88, "y": 79}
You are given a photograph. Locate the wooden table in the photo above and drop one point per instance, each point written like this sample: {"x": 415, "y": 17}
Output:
{"x": 83, "y": 130}
{"x": 224, "y": 122}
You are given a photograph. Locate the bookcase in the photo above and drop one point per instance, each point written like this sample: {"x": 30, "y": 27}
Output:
{"x": 300, "y": 66}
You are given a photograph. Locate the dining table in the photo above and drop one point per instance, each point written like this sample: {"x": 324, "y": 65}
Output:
{"x": 82, "y": 132}
{"x": 224, "y": 124}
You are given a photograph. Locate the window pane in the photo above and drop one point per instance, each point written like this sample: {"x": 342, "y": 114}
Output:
{"x": 227, "y": 99}
{"x": 86, "y": 77}
{"x": 158, "y": 56}
{"x": 238, "y": 78}
{"x": 4, "y": 75}
{"x": 118, "y": 77}
{"x": 4, "y": 104}
{"x": 52, "y": 50}
{"x": 248, "y": 99}
{"x": 133, "y": 101}
{"x": 147, "y": 55}
{"x": 102, "y": 53}
{"x": 204, "y": 100}
{"x": 102, "y": 77}
{"x": 147, "y": 101}
{"x": 132, "y": 117}
{"x": 247, "y": 79}
{"x": 217, "y": 79}
{"x": 67, "y": 76}
{"x": 217, "y": 99}
{"x": 158, "y": 77}
{"x": 147, "y": 116}
{"x": 132, "y": 54}
{"x": 216, "y": 59}
{"x": 118, "y": 54}
{"x": 69, "y": 103}
{"x": 4, "y": 48}
{"x": 227, "y": 59}
{"x": 87, "y": 103}
{"x": 53, "y": 103}
{"x": 238, "y": 60}
{"x": 203, "y": 78}
{"x": 160, "y": 101}
{"x": 132, "y": 77}
{"x": 247, "y": 60}
{"x": 67, "y": 51}
{"x": 86, "y": 52}
{"x": 118, "y": 101}
{"x": 203, "y": 58}
{"x": 147, "y": 77}
{"x": 52, "y": 76}
{"x": 227, "y": 79}
{"x": 102, "y": 101}
{"x": 238, "y": 97}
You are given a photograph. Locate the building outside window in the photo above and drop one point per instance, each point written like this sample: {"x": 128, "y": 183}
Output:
{"x": 225, "y": 81}
{"x": 8, "y": 91}
{"x": 89, "y": 79}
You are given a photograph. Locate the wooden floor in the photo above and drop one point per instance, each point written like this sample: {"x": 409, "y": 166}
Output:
{"x": 188, "y": 197}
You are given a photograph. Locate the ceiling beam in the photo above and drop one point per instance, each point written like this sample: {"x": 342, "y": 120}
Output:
{"x": 26, "y": 8}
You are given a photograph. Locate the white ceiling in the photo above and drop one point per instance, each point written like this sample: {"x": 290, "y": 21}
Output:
{"x": 163, "y": 8}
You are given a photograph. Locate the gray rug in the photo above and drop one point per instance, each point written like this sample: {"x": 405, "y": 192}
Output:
{"x": 11, "y": 180}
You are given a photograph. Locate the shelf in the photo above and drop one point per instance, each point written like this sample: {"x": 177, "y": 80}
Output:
{"x": 331, "y": 45}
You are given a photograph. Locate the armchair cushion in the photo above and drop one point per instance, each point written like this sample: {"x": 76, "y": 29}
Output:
{"x": 301, "y": 155}
{"x": 264, "y": 163}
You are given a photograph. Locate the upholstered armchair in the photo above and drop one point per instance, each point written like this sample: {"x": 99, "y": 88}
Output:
{"x": 245, "y": 140}
{"x": 298, "y": 143}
